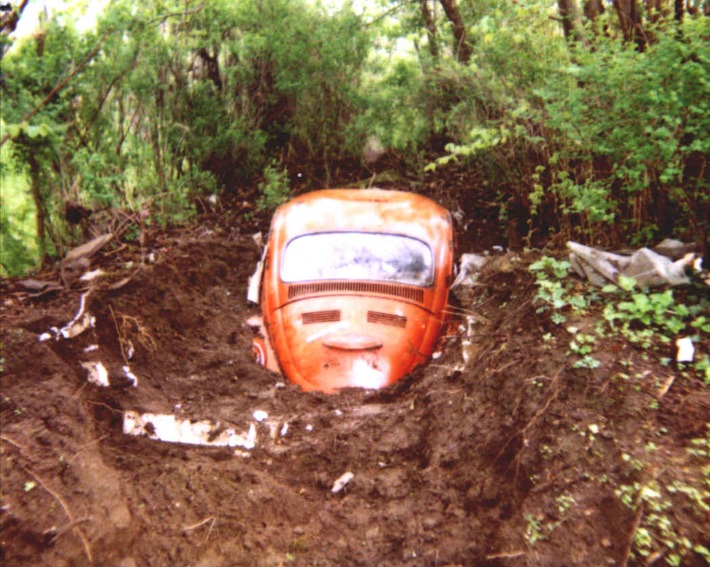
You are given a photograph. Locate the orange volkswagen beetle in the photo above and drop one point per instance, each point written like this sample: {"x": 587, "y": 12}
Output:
{"x": 354, "y": 286}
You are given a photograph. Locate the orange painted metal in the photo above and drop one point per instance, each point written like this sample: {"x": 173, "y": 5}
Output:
{"x": 343, "y": 330}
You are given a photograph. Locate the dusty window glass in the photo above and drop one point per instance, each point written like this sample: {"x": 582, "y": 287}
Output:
{"x": 358, "y": 256}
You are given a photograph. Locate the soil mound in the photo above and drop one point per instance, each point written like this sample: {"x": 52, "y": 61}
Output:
{"x": 499, "y": 452}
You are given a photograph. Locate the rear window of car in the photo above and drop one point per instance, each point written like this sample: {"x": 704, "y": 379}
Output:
{"x": 358, "y": 256}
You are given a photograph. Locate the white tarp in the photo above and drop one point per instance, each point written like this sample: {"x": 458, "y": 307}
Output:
{"x": 647, "y": 267}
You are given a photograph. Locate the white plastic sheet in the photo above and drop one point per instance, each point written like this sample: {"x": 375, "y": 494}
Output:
{"x": 647, "y": 267}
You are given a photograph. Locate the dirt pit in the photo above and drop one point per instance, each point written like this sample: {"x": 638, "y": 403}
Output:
{"x": 514, "y": 458}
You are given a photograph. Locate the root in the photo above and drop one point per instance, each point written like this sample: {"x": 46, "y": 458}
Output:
{"x": 505, "y": 555}
{"x": 128, "y": 327}
{"x": 211, "y": 520}
{"x": 630, "y": 542}
{"x": 554, "y": 386}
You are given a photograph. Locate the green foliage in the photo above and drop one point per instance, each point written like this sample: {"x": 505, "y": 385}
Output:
{"x": 393, "y": 106}
{"x": 583, "y": 345}
{"x": 18, "y": 247}
{"x": 644, "y": 317}
{"x": 556, "y": 289}
{"x": 655, "y": 503}
{"x": 627, "y": 126}
{"x": 274, "y": 188}
{"x": 16, "y": 257}
{"x": 616, "y": 139}
{"x": 649, "y": 319}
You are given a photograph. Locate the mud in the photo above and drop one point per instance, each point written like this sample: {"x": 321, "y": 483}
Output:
{"x": 513, "y": 459}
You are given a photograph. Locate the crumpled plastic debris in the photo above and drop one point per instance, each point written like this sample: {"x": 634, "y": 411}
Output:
{"x": 647, "y": 267}
{"x": 82, "y": 321}
{"x": 469, "y": 264}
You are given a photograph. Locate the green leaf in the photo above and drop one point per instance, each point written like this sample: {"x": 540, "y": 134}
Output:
{"x": 626, "y": 283}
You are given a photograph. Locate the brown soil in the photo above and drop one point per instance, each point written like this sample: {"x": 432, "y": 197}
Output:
{"x": 515, "y": 458}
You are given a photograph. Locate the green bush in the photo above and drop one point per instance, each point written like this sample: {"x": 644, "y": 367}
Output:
{"x": 274, "y": 189}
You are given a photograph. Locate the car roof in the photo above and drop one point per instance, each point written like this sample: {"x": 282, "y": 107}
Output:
{"x": 363, "y": 210}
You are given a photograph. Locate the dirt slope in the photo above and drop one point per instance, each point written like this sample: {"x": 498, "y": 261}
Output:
{"x": 515, "y": 458}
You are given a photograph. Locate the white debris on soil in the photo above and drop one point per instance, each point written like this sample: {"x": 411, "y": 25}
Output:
{"x": 82, "y": 321}
{"x": 466, "y": 350}
{"x": 131, "y": 377}
{"x": 341, "y": 482}
{"x": 686, "y": 350}
{"x": 168, "y": 428}
{"x": 260, "y": 415}
{"x": 98, "y": 375}
{"x": 92, "y": 275}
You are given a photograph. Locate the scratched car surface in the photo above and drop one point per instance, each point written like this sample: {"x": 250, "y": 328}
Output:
{"x": 353, "y": 287}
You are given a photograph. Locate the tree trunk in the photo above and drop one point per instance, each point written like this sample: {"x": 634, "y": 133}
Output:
{"x": 36, "y": 192}
{"x": 630, "y": 22}
{"x": 432, "y": 34}
{"x": 679, "y": 10}
{"x": 462, "y": 48}
{"x": 656, "y": 10}
{"x": 593, "y": 9}
{"x": 571, "y": 19}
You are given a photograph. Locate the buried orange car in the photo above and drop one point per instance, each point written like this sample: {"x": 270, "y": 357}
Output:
{"x": 354, "y": 286}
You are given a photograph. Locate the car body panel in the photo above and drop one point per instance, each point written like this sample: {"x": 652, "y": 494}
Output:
{"x": 363, "y": 305}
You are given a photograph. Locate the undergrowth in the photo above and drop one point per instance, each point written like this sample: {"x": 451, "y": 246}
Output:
{"x": 650, "y": 320}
